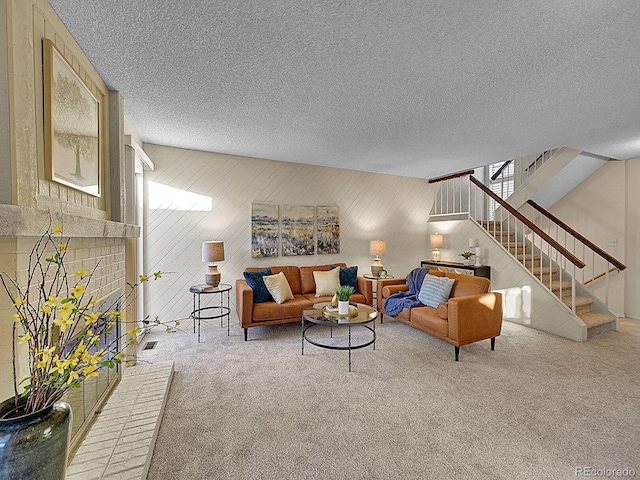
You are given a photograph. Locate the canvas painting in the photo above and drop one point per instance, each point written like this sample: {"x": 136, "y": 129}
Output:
{"x": 72, "y": 116}
{"x": 298, "y": 229}
{"x": 328, "y": 229}
{"x": 264, "y": 230}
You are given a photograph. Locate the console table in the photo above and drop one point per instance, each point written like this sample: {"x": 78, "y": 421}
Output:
{"x": 455, "y": 267}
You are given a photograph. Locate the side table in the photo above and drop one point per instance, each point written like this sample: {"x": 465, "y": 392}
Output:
{"x": 375, "y": 284}
{"x": 210, "y": 312}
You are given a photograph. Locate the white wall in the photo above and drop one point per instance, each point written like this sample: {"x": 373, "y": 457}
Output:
{"x": 632, "y": 240}
{"x": 372, "y": 206}
{"x": 604, "y": 207}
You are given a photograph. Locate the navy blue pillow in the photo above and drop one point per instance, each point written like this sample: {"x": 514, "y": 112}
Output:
{"x": 348, "y": 276}
{"x": 255, "y": 281}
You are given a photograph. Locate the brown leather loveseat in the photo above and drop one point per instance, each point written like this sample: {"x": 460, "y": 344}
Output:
{"x": 472, "y": 313}
{"x": 303, "y": 286}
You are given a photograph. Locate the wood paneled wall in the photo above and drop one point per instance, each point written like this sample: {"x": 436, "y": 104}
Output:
{"x": 372, "y": 206}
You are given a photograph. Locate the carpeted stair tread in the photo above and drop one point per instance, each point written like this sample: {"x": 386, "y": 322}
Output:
{"x": 513, "y": 244}
{"x": 537, "y": 270}
{"x": 514, "y": 247}
{"x": 489, "y": 225}
{"x": 556, "y": 284}
{"x": 593, "y": 319}
{"x": 528, "y": 259}
{"x": 580, "y": 301}
{"x": 498, "y": 235}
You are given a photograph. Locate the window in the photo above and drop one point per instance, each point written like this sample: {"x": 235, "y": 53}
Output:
{"x": 503, "y": 186}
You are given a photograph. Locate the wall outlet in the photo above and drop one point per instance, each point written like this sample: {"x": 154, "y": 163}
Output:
{"x": 612, "y": 242}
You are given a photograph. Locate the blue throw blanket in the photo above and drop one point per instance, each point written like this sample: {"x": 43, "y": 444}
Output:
{"x": 394, "y": 304}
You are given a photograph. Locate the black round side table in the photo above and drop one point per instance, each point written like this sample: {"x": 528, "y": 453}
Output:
{"x": 210, "y": 312}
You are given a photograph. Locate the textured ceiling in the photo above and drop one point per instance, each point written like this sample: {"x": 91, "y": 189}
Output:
{"x": 418, "y": 88}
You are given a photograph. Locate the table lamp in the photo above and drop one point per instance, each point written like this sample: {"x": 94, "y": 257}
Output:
{"x": 377, "y": 248}
{"x": 212, "y": 252}
{"x": 436, "y": 241}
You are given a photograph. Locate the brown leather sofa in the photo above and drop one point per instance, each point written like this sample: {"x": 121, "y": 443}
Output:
{"x": 303, "y": 287}
{"x": 471, "y": 314}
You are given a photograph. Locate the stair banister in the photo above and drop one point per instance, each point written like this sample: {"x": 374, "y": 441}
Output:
{"x": 541, "y": 233}
{"x": 618, "y": 264}
{"x": 600, "y": 275}
{"x": 449, "y": 177}
{"x": 500, "y": 170}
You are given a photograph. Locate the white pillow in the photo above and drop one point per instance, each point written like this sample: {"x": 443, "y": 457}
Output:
{"x": 327, "y": 282}
{"x": 435, "y": 290}
{"x": 278, "y": 287}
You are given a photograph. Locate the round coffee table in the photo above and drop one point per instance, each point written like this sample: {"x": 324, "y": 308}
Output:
{"x": 360, "y": 315}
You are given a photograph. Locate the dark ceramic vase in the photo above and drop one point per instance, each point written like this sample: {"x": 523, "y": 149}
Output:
{"x": 34, "y": 446}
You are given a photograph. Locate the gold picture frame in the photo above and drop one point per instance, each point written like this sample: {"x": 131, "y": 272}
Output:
{"x": 71, "y": 125}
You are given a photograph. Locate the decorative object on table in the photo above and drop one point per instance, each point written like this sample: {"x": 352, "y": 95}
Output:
{"x": 201, "y": 288}
{"x": 467, "y": 257}
{"x": 334, "y": 300}
{"x": 437, "y": 241}
{"x": 330, "y": 311}
{"x": 478, "y": 253}
{"x": 264, "y": 230}
{"x": 298, "y": 229}
{"x": 72, "y": 125}
{"x": 344, "y": 294}
{"x": 212, "y": 252}
{"x": 377, "y": 248}
{"x": 58, "y": 330}
{"x": 328, "y": 229}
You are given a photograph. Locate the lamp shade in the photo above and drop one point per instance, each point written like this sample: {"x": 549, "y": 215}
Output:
{"x": 437, "y": 240}
{"x": 378, "y": 247}
{"x": 212, "y": 251}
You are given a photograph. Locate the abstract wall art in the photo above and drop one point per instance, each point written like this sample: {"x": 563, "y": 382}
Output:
{"x": 328, "y": 229}
{"x": 264, "y": 230}
{"x": 298, "y": 229}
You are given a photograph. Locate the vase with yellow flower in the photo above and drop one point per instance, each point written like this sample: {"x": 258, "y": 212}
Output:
{"x": 69, "y": 338}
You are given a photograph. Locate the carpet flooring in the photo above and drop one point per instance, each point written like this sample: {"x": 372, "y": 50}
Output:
{"x": 539, "y": 406}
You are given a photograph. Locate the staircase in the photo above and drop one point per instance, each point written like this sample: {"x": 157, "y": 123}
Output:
{"x": 552, "y": 278}
{"x": 547, "y": 273}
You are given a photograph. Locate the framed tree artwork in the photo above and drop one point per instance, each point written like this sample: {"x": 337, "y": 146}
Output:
{"x": 72, "y": 125}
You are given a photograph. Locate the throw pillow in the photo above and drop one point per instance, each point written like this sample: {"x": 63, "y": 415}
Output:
{"x": 435, "y": 290}
{"x": 278, "y": 287}
{"x": 255, "y": 281}
{"x": 348, "y": 276}
{"x": 327, "y": 282}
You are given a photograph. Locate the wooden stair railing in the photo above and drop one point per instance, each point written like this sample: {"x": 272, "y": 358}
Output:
{"x": 532, "y": 226}
{"x": 600, "y": 275}
{"x": 617, "y": 263}
{"x": 461, "y": 196}
{"x": 533, "y": 237}
{"x": 451, "y": 194}
{"x": 500, "y": 170}
{"x": 450, "y": 177}
{"x": 598, "y": 259}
